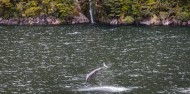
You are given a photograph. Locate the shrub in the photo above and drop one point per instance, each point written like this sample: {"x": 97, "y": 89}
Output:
{"x": 163, "y": 15}
{"x": 129, "y": 19}
{"x": 183, "y": 16}
{"x": 32, "y": 11}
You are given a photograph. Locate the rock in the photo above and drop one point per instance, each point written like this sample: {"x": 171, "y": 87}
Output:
{"x": 13, "y": 21}
{"x": 154, "y": 20}
{"x": 4, "y": 21}
{"x": 105, "y": 21}
{"x": 81, "y": 18}
{"x": 145, "y": 22}
{"x": 1, "y": 19}
{"x": 56, "y": 22}
{"x": 53, "y": 20}
{"x": 178, "y": 22}
{"x": 114, "y": 22}
{"x": 49, "y": 20}
{"x": 31, "y": 21}
{"x": 174, "y": 21}
{"x": 24, "y": 21}
{"x": 42, "y": 20}
{"x": 184, "y": 23}
{"x": 35, "y": 21}
{"x": 166, "y": 22}
{"x": 188, "y": 22}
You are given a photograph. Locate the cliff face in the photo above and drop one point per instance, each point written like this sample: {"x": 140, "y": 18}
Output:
{"x": 78, "y": 16}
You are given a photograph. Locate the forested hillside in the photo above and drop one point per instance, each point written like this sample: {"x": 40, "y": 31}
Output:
{"x": 30, "y": 8}
{"x": 122, "y": 11}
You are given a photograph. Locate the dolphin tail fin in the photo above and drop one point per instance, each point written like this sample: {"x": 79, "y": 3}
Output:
{"x": 104, "y": 65}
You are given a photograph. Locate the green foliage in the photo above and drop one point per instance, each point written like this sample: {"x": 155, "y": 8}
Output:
{"x": 129, "y": 19}
{"x": 7, "y": 9}
{"x": 104, "y": 9}
{"x": 163, "y": 15}
{"x": 30, "y": 8}
{"x": 116, "y": 8}
{"x": 64, "y": 10}
{"x": 32, "y": 11}
{"x": 152, "y": 7}
{"x": 183, "y": 16}
{"x": 139, "y": 9}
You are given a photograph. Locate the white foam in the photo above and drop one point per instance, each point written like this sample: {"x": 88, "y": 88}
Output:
{"x": 106, "y": 89}
{"x": 184, "y": 90}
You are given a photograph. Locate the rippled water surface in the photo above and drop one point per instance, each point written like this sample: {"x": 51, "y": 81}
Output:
{"x": 56, "y": 59}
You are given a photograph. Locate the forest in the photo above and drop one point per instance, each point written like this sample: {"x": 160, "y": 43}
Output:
{"x": 124, "y": 11}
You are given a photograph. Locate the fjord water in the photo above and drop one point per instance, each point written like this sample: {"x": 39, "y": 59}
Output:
{"x": 56, "y": 59}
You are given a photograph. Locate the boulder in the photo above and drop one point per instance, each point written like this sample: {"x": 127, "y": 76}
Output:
{"x": 184, "y": 23}
{"x": 4, "y": 21}
{"x": 1, "y": 19}
{"x": 81, "y": 18}
{"x": 174, "y": 21}
{"x": 145, "y": 22}
{"x": 35, "y": 21}
{"x": 188, "y": 22}
{"x": 114, "y": 22}
{"x": 166, "y": 22}
{"x": 42, "y": 20}
{"x": 154, "y": 20}
{"x": 24, "y": 21}
{"x": 13, "y": 21}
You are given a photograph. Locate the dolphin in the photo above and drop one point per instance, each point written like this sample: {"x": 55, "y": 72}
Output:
{"x": 92, "y": 73}
{"x": 105, "y": 89}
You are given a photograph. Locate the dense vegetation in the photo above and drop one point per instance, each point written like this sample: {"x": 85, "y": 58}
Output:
{"x": 126, "y": 10}
{"x": 31, "y": 8}
{"x": 135, "y": 10}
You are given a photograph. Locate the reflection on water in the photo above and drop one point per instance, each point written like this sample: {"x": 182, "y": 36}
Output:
{"x": 38, "y": 59}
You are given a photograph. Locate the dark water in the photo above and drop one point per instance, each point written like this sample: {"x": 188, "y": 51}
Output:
{"x": 40, "y": 59}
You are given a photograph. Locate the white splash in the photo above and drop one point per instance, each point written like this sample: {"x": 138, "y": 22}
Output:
{"x": 184, "y": 90}
{"x": 106, "y": 89}
{"x": 74, "y": 33}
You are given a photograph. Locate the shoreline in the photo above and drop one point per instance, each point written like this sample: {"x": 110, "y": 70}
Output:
{"x": 50, "y": 20}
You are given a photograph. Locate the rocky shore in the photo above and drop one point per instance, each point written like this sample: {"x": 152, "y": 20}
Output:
{"x": 43, "y": 20}
{"x": 81, "y": 18}
{"x": 165, "y": 22}
{"x": 149, "y": 22}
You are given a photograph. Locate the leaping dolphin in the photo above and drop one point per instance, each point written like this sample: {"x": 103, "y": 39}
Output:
{"x": 92, "y": 73}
